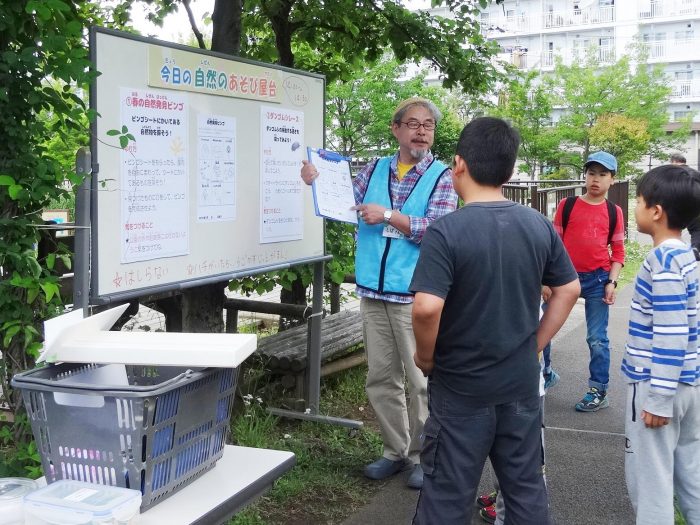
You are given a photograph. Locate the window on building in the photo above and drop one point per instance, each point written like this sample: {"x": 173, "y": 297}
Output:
{"x": 606, "y": 49}
{"x": 680, "y": 115}
{"x": 688, "y": 7}
{"x": 683, "y": 36}
{"x": 656, "y": 44}
{"x": 686, "y": 74}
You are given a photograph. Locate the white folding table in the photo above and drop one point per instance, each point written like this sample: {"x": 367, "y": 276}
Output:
{"x": 239, "y": 477}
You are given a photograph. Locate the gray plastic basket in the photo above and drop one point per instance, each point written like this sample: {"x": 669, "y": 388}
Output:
{"x": 157, "y": 433}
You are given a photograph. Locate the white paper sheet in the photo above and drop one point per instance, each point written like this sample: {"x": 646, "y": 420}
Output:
{"x": 333, "y": 196}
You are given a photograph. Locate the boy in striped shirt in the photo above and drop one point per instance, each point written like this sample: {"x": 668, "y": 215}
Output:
{"x": 662, "y": 423}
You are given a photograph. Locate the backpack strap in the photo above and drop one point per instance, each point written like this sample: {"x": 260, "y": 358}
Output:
{"x": 566, "y": 212}
{"x": 612, "y": 219}
{"x": 612, "y": 216}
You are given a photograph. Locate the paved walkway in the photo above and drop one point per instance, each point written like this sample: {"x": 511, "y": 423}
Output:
{"x": 585, "y": 457}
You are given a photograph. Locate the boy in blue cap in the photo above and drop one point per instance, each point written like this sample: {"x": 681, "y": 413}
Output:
{"x": 588, "y": 225}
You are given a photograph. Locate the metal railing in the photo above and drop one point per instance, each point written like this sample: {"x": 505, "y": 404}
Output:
{"x": 666, "y": 8}
{"x": 544, "y": 196}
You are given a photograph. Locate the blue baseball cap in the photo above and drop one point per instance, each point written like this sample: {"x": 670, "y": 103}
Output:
{"x": 604, "y": 158}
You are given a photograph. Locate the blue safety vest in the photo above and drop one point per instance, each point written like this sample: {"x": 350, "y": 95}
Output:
{"x": 384, "y": 264}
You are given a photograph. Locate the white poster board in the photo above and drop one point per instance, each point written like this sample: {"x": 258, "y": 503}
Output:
{"x": 208, "y": 186}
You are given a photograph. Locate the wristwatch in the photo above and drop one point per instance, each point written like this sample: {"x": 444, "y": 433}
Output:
{"x": 610, "y": 281}
{"x": 387, "y": 216}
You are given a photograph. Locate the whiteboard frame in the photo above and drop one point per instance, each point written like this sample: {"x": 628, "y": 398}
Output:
{"x": 106, "y": 298}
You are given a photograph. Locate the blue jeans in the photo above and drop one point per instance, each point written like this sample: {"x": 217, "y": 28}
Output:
{"x": 457, "y": 440}
{"x": 593, "y": 291}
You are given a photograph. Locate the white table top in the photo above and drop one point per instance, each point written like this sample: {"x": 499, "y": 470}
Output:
{"x": 238, "y": 477}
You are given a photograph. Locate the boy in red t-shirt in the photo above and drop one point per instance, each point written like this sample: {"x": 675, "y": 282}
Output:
{"x": 586, "y": 236}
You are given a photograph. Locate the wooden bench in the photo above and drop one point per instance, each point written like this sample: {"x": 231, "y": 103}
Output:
{"x": 285, "y": 352}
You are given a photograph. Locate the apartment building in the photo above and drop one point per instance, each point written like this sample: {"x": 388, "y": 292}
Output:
{"x": 532, "y": 33}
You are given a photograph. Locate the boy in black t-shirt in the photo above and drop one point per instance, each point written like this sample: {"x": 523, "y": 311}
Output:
{"x": 476, "y": 322}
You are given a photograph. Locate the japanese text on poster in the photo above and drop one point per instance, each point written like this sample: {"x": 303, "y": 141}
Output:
{"x": 154, "y": 210}
{"x": 183, "y": 70}
{"x": 216, "y": 177}
{"x": 281, "y": 197}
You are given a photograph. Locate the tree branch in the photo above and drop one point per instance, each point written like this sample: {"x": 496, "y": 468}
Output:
{"x": 193, "y": 24}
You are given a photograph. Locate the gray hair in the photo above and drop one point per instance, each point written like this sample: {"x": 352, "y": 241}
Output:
{"x": 409, "y": 103}
{"x": 677, "y": 158}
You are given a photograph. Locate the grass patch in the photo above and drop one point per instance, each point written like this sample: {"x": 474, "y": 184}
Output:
{"x": 329, "y": 458}
{"x": 635, "y": 254}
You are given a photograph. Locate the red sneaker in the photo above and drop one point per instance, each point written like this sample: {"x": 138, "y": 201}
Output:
{"x": 486, "y": 500}
{"x": 488, "y": 514}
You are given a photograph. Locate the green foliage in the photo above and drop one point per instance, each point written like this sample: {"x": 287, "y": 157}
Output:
{"x": 625, "y": 137}
{"x": 591, "y": 93}
{"x": 527, "y": 104}
{"x": 329, "y": 459}
{"x": 635, "y": 254}
{"x": 302, "y": 34}
{"x": 42, "y": 57}
{"x": 122, "y": 135}
{"x": 359, "y": 112}
{"x": 18, "y": 459}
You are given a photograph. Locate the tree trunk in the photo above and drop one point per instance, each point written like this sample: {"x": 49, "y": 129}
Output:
{"x": 203, "y": 309}
{"x": 297, "y": 295}
{"x": 283, "y": 41}
{"x": 282, "y": 27}
{"x": 203, "y": 306}
{"x": 226, "y": 33}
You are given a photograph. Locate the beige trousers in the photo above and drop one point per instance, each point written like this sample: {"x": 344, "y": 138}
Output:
{"x": 390, "y": 345}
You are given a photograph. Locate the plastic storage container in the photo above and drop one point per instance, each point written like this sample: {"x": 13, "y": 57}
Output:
{"x": 12, "y": 492}
{"x": 69, "y": 502}
{"x": 154, "y": 429}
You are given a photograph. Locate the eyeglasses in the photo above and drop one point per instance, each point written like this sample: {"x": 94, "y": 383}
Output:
{"x": 428, "y": 125}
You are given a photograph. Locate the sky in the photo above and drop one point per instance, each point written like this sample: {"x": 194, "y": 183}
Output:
{"x": 176, "y": 27}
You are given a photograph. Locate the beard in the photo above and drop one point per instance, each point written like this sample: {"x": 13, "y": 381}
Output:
{"x": 419, "y": 154}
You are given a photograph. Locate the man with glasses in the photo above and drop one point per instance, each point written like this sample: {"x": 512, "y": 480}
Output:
{"x": 397, "y": 198}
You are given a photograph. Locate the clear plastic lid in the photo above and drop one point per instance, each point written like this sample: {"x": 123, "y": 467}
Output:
{"x": 16, "y": 488}
{"x": 82, "y": 496}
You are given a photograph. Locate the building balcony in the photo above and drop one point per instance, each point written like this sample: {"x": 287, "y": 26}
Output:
{"x": 685, "y": 90}
{"x": 578, "y": 17}
{"x": 681, "y": 50}
{"x": 502, "y": 26}
{"x": 546, "y": 61}
{"x": 515, "y": 58}
{"x": 668, "y": 9}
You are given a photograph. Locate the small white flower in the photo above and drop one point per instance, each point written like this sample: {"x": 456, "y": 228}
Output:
{"x": 307, "y": 411}
{"x": 361, "y": 409}
{"x": 259, "y": 400}
{"x": 287, "y": 436}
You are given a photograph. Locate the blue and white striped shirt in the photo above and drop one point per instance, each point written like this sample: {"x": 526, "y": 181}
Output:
{"x": 662, "y": 344}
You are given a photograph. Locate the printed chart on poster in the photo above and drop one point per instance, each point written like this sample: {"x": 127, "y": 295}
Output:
{"x": 198, "y": 159}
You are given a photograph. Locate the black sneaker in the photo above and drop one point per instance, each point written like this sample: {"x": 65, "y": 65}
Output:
{"x": 593, "y": 401}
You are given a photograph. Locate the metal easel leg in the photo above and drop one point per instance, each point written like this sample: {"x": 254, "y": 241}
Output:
{"x": 313, "y": 364}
